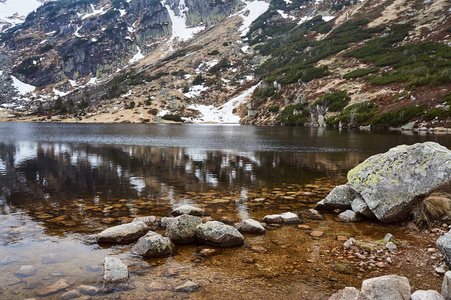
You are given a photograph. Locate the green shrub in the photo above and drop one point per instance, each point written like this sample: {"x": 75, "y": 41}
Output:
{"x": 399, "y": 117}
{"x": 295, "y": 114}
{"x": 274, "y": 108}
{"x": 178, "y": 53}
{"x": 214, "y": 52}
{"x": 335, "y": 101}
{"x": 175, "y": 118}
{"x": 198, "y": 80}
{"x": 356, "y": 114}
{"x": 264, "y": 93}
{"x": 29, "y": 65}
{"x": 221, "y": 65}
{"x": 360, "y": 72}
{"x": 131, "y": 105}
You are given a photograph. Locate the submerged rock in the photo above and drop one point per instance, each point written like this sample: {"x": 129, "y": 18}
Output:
{"x": 114, "y": 271}
{"x": 182, "y": 229}
{"x": 391, "y": 183}
{"x": 123, "y": 234}
{"x": 389, "y": 287}
{"x": 25, "y": 271}
{"x": 189, "y": 210}
{"x": 219, "y": 234}
{"x": 153, "y": 245}
{"x": 340, "y": 197}
{"x": 54, "y": 288}
{"x": 187, "y": 287}
{"x": 250, "y": 226}
{"x": 350, "y": 216}
{"x": 426, "y": 295}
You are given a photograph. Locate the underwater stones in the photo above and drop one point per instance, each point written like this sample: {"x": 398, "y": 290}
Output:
{"x": 114, "y": 271}
{"x": 88, "y": 290}
{"x": 189, "y": 210}
{"x": 444, "y": 245}
{"x": 187, "y": 287}
{"x": 391, "y": 182}
{"x": 26, "y": 270}
{"x": 219, "y": 234}
{"x": 182, "y": 229}
{"x": 349, "y": 216}
{"x": 389, "y": 287}
{"x": 123, "y": 234}
{"x": 54, "y": 288}
{"x": 153, "y": 245}
{"x": 340, "y": 197}
{"x": 250, "y": 226}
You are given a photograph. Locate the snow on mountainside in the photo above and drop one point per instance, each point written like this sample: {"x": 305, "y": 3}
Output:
{"x": 13, "y": 12}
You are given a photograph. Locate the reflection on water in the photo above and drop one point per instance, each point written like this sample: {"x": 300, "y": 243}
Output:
{"x": 60, "y": 183}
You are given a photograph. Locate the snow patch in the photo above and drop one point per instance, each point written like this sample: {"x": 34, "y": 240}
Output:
{"x": 222, "y": 114}
{"x": 304, "y": 19}
{"x": 328, "y": 18}
{"x": 195, "y": 91}
{"x": 94, "y": 13}
{"x": 285, "y": 15}
{"x": 138, "y": 56}
{"x": 256, "y": 9}
{"x": 22, "y": 87}
{"x": 179, "y": 29}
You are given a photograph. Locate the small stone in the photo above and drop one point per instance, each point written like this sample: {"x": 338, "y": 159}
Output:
{"x": 259, "y": 249}
{"x": 123, "y": 234}
{"x": 432, "y": 250}
{"x": 349, "y": 243}
{"x": 391, "y": 246}
{"x": 290, "y": 218}
{"x": 316, "y": 233}
{"x": 189, "y": 210}
{"x": 446, "y": 285}
{"x": 250, "y": 226}
{"x": 350, "y": 216}
{"x": 388, "y": 237}
{"x": 156, "y": 286}
{"x": 88, "y": 290}
{"x": 70, "y": 295}
{"x": 361, "y": 256}
{"x": 9, "y": 260}
{"x": 312, "y": 214}
{"x": 440, "y": 269}
{"x": 304, "y": 227}
{"x": 341, "y": 238}
{"x": 115, "y": 271}
{"x": 25, "y": 271}
{"x": 54, "y": 288}
{"x": 208, "y": 252}
{"x": 273, "y": 219}
{"x": 187, "y": 287}
{"x": 248, "y": 260}
{"x": 426, "y": 295}
{"x": 380, "y": 265}
{"x": 149, "y": 220}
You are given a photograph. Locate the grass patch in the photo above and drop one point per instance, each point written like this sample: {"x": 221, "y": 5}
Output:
{"x": 432, "y": 208}
{"x": 295, "y": 115}
{"x": 360, "y": 72}
{"x": 399, "y": 117}
{"x": 355, "y": 115}
{"x": 335, "y": 101}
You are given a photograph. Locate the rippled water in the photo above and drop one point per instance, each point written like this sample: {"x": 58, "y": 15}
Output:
{"x": 61, "y": 183}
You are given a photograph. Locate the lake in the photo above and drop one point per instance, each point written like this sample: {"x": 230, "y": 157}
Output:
{"x": 63, "y": 183}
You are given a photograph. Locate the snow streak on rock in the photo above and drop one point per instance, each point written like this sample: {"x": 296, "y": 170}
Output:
{"x": 179, "y": 29}
{"x": 222, "y": 114}
{"x": 256, "y": 9}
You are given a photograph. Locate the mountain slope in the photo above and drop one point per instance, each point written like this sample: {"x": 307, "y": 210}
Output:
{"x": 340, "y": 63}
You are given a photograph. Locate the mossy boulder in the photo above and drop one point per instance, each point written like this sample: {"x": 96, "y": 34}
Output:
{"x": 392, "y": 183}
{"x": 219, "y": 234}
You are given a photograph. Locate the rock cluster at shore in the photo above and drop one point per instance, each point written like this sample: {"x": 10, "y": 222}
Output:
{"x": 388, "y": 186}
{"x": 392, "y": 287}
{"x": 185, "y": 227}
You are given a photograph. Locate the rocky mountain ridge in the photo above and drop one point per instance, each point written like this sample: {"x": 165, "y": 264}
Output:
{"x": 300, "y": 60}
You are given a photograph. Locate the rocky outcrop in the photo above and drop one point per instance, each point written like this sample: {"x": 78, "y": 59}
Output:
{"x": 348, "y": 293}
{"x": 446, "y": 286}
{"x": 114, "y": 271}
{"x": 426, "y": 295}
{"x": 153, "y": 245}
{"x": 387, "y": 186}
{"x": 391, "y": 183}
{"x": 123, "y": 234}
{"x": 250, "y": 226}
{"x": 387, "y": 287}
{"x": 218, "y": 234}
{"x": 182, "y": 229}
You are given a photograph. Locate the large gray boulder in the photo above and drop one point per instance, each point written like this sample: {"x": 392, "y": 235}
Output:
{"x": 218, "y": 234}
{"x": 123, "y": 234}
{"x": 340, "y": 197}
{"x": 391, "y": 182}
{"x": 114, "y": 271}
{"x": 182, "y": 229}
{"x": 348, "y": 293}
{"x": 426, "y": 295}
{"x": 389, "y": 287}
{"x": 444, "y": 245}
{"x": 153, "y": 245}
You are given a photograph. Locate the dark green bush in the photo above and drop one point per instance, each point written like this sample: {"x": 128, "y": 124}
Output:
{"x": 295, "y": 114}
{"x": 223, "y": 64}
{"x": 356, "y": 114}
{"x": 274, "y": 108}
{"x": 198, "y": 80}
{"x": 29, "y": 65}
{"x": 131, "y": 105}
{"x": 360, "y": 72}
{"x": 46, "y": 48}
{"x": 214, "y": 52}
{"x": 399, "y": 117}
{"x": 178, "y": 53}
{"x": 335, "y": 101}
{"x": 175, "y": 118}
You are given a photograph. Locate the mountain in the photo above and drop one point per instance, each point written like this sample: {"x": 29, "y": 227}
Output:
{"x": 299, "y": 62}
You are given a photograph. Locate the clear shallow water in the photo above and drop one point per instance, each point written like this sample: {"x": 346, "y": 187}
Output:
{"x": 60, "y": 183}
